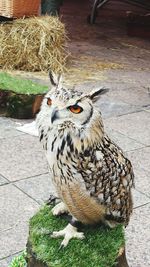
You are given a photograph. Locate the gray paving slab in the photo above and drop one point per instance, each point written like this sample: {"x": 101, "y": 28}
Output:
{"x": 134, "y": 95}
{"x": 3, "y": 180}
{"x": 122, "y": 140}
{"x": 135, "y": 126}
{"x": 140, "y": 158}
{"x": 142, "y": 181}
{"x": 15, "y": 210}
{"x": 23, "y": 157}
{"x": 139, "y": 198}
{"x": 112, "y": 108}
{"x": 39, "y": 187}
{"x": 6, "y": 262}
{"x": 138, "y": 238}
{"x": 14, "y": 240}
{"x": 141, "y": 164}
{"x": 107, "y": 83}
{"x": 130, "y": 76}
{"x": 8, "y": 128}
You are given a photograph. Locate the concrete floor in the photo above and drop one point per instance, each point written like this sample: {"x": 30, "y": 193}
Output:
{"x": 102, "y": 54}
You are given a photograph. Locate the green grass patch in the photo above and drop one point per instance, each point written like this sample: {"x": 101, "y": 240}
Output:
{"x": 19, "y": 85}
{"x": 19, "y": 261}
{"x": 99, "y": 248}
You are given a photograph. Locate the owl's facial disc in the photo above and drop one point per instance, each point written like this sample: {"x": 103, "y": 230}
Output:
{"x": 67, "y": 106}
{"x": 76, "y": 111}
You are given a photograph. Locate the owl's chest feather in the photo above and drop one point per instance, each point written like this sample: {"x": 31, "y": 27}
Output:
{"x": 62, "y": 155}
{"x": 63, "y": 158}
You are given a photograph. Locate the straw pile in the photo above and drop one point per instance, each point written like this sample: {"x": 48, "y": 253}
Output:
{"x": 34, "y": 44}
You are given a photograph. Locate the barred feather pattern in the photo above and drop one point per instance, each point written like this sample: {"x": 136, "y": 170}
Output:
{"x": 100, "y": 168}
{"x": 91, "y": 174}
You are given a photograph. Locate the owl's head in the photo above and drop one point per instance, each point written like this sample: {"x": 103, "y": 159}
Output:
{"x": 61, "y": 105}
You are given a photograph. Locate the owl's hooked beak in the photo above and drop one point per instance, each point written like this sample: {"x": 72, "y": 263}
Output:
{"x": 54, "y": 115}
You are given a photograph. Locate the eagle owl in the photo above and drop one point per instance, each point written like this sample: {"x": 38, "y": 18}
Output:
{"x": 92, "y": 176}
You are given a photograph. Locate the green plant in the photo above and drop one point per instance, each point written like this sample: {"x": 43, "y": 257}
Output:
{"x": 19, "y": 261}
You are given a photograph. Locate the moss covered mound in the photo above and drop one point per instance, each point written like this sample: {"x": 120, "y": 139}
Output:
{"x": 19, "y": 85}
{"x": 99, "y": 249}
{"x": 20, "y": 98}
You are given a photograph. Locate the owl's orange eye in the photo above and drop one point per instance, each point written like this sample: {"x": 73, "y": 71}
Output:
{"x": 75, "y": 109}
{"x": 49, "y": 101}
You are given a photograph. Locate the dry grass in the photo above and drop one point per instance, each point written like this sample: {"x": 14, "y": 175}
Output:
{"x": 34, "y": 44}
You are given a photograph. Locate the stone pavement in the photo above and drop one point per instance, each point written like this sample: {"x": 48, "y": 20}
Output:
{"x": 24, "y": 179}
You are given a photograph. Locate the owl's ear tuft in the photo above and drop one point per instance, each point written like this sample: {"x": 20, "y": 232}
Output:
{"x": 96, "y": 93}
{"x": 55, "y": 79}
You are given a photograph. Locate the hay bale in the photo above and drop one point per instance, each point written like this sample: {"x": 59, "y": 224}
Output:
{"x": 34, "y": 44}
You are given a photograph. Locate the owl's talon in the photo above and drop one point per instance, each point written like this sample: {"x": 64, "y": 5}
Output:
{"x": 56, "y": 234}
{"x": 49, "y": 233}
{"x": 60, "y": 247}
{"x": 68, "y": 233}
{"x": 59, "y": 209}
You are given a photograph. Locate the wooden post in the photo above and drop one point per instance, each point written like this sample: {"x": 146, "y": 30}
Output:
{"x": 122, "y": 260}
{"x": 33, "y": 261}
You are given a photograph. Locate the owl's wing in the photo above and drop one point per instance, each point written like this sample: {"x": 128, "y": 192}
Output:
{"x": 108, "y": 176}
